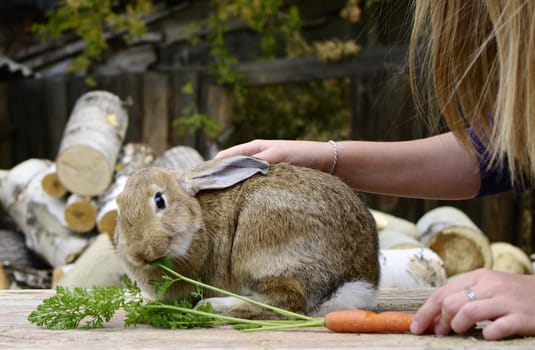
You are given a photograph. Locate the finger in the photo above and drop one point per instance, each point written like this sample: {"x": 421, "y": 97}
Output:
{"x": 451, "y": 306}
{"x": 444, "y": 302}
{"x": 506, "y": 326}
{"x": 247, "y": 149}
{"x": 472, "y": 312}
{"x": 270, "y": 155}
{"x": 428, "y": 312}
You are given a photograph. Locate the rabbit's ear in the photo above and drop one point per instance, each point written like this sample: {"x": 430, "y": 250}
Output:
{"x": 222, "y": 173}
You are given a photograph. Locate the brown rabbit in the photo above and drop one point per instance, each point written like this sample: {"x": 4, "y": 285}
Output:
{"x": 285, "y": 235}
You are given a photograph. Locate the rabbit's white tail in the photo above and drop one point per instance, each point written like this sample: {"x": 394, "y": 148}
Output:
{"x": 351, "y": 295}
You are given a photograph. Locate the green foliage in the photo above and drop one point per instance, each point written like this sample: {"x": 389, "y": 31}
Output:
{"x": 293, "y": 111}
{"x": 92, "y": 21}
{"x": 155, "y": 315}
{"x": 191, "y": 120}
{"x": 265, "y": 17}
{"x": 313, "y": 110}
{"x": 67, "y": 308}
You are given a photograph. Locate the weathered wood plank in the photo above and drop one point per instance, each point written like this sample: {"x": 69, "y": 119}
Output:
{"x": 17, "y": 333}
{"x": 76, "y": 87}
{"x": 42, "y": 55}
{"x": 155, "y": 116}
{"x": 394, "y": 299}
{"x": 184, "y": 103}
{"x": 132, "y": 90}
{"x": 6, "y": 129}
{"x": 55, "y": 112}
{"x": 309, "y": 68}
{"x": 15, "y": 98}
{"x": 128, "y": 87}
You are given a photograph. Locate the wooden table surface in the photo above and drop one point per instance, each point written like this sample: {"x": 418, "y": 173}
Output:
{"x": 17, "y": 333}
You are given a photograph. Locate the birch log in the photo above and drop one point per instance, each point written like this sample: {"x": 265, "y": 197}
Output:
{"x": 386, "y": 221}
{"x": 508, "y": 258}
{"x": 392, "y": 239}
{"x": 38, "y": 215}
{"x": 91, "y": 143}
{"x": 107, "y": 214}
{"x": 80, "y": 213}
{"x": 51, "y": 183}
{"x": 99, "y": 266}
{"x": 456, "y": 239}
{"x": 4, "y": 280}
{"x": 133, "y": 156}
{"x": 13, "y": 250}
{"x": 411, "y": 268}
{"x": 27, "y": 277}
{"x": 179, "y": 157}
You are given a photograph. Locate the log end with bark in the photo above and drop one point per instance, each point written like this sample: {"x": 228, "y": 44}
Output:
{"x": 509, "y": 258}
{"x": 91, "y": 143}
{"x": 80, "y": 213}
{"x": 456, "y": 239}
{"x": 391, "y": 239}
{"x": 107, "y": 222}
{"x": 385, "y": 221}
{"x": 411, "y": 268}
{"x": 84, "y": 170}
{"x": 52, "y": 185}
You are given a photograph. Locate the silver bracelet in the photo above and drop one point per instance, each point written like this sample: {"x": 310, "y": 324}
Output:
{"x": 335, "y": 156}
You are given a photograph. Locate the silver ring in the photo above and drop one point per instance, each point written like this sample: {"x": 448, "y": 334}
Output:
{"x": 470, "y": 294}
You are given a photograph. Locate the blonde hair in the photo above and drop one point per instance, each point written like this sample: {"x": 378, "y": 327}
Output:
{"x": 479, "y": 62}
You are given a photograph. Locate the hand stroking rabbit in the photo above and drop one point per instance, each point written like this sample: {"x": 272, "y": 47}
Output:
{"x": 288, "y": 236}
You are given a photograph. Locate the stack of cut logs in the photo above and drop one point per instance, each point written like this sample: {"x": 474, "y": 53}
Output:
{"x": 62, "y": 207}
{"x": 443, "y": 244}
{"x": 66, "y": 211}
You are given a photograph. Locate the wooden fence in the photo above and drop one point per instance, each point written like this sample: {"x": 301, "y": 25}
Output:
{"x": 33, "y": 114}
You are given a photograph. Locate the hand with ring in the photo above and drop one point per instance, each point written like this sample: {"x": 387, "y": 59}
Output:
{"x": 470, "y": 294}
{"x": 505, "y": 299}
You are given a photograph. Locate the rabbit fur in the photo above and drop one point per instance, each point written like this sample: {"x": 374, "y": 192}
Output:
{"x": 288, "y": 236}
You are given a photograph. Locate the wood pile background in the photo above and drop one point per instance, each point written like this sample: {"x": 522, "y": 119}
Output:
{"x": 65, "y": 208}
{"x": 70, "y": 223}
{"x": 34, "y": 114}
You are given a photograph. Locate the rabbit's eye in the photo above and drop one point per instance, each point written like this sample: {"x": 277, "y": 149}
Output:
{"x": 159, "y": 200}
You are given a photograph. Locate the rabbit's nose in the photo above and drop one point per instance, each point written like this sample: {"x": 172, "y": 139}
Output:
{"x": 148, "y": 250}
{"x": 141, "y": 256}
{"x": 137, "y": 260}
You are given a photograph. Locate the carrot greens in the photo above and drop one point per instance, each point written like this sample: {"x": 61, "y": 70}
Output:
{"x": 91, "y": 308}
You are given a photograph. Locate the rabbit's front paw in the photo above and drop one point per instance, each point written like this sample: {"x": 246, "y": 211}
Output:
{"x": 231, "y": 306}
{"x": 222, "y": 305}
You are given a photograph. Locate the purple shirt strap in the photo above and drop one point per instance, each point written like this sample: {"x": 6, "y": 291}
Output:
{"x": 496, "y": 179}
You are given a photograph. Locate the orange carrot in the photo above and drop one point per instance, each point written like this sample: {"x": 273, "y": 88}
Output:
{"x": 364, "y": 321}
